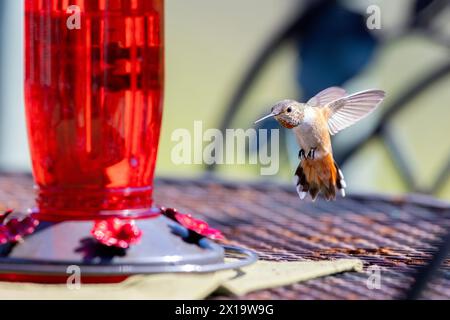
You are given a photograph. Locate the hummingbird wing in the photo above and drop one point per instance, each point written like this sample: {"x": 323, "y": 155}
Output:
{"x": 326, "y": 96}
{"x": 348, "y": 110}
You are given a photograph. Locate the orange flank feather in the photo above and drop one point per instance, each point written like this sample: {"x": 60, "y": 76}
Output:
{"x": 319, "y": 175}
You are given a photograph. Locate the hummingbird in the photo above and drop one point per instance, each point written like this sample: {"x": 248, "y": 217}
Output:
{"x": 313, "y": 124}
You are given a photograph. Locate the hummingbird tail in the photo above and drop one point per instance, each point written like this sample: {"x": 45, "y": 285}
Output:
{"x": 319, "y": 175}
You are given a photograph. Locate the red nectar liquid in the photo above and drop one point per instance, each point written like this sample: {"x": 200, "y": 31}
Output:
{"x": 93, "y": 91}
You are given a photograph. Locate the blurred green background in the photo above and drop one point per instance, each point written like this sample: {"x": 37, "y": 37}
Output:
{"x": 209, "y": 47}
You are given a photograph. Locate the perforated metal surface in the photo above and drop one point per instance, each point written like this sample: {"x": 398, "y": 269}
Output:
{"x": 396, "y": 234}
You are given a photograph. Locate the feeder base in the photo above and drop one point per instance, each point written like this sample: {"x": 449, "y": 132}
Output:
{"x": 58, "y": 249}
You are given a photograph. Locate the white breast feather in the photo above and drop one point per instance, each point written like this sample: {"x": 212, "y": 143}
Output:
{"x": 309, "y": 116}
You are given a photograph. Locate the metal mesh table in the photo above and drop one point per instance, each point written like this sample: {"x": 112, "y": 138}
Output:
{"x": 396, "y": 234}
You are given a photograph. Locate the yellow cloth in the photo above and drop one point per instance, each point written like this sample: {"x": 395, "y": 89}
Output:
{"x": 261, "y": 275}
{"x": 268, "y": 274}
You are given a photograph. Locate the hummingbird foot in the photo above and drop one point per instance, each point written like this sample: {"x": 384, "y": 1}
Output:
{"x": 312, "y": 153}
{"x": 301, "y": 154}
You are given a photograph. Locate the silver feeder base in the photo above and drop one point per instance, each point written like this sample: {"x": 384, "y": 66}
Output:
{"x": 164, "y": 247}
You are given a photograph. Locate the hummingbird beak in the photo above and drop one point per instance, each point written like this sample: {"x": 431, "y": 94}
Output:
{"x": 265, "y": 117}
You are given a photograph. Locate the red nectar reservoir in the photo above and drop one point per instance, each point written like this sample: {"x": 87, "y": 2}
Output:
{"x": 93, "y": 89}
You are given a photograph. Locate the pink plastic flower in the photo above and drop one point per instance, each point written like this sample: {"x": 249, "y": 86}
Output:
{"x": 14, "y": 230}
{"x": 196, "y": 225}
{"x": 116, "y": 232}
{"x": 4, "y": 215}
{"x": 4, "y": 234}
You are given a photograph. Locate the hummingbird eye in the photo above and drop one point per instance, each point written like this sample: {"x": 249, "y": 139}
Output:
{"x": 288, "y": 110}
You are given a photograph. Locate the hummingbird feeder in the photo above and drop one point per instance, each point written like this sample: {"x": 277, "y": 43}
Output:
{"x": 94, "y": 78}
